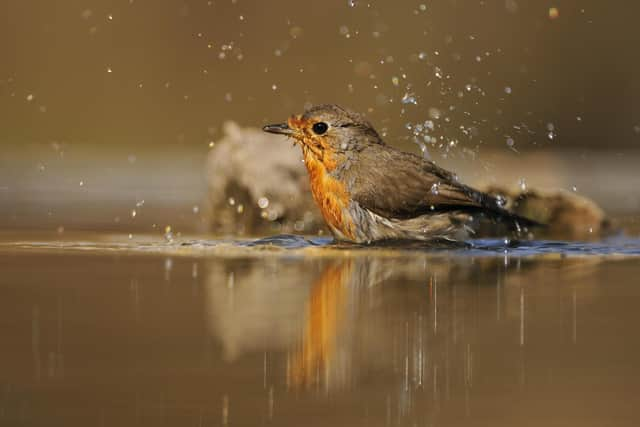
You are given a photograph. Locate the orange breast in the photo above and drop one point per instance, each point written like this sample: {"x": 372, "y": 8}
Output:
{"x": 330, "y": 195}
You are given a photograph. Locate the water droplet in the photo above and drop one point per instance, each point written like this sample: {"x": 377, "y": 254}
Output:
{"x": 435, "y": 189}
{"x": 274, "y": 87}
{"x": 81, "y": 183}
{"x": 130, "y": 236}
{"x": 574, "y": 189}
{"x": 263, "y": 202}
{"x": 30, "y": 97}
{"x": 507, "y": 90}
{"x": 523, "y": 184}
{"x": 195, "y": 209}
{"x": 168, "y": 234}
{"x": 434, "y": 113}
{"x": 422, "y": 7}
{"x": 232, "y": 201}
{"x": 134, "y": 213}
{"x": 409, "y": 98}
{"x": 510, "y": 142}
{"x": 395, "y": 81}
{"x": 422, "y": 56}
{"x": 352, "y": 3}
{"x": 109, "y": 70}
{"x": 554, "y": 13}
{"x": 501, "y": 201}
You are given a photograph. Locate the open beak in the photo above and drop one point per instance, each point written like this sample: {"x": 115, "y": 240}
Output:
{"x": 280, "y": 128}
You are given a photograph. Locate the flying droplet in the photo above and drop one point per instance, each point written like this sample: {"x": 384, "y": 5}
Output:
{"x": 409, "y": 98}
{"x": 435, "y": 189}
{"x": 523, "y": 184}
{"x": 168, "y": 234}
{"x": 263, "y": 202}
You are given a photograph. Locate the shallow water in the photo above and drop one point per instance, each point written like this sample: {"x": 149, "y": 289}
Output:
{"x": 290, "y": 331}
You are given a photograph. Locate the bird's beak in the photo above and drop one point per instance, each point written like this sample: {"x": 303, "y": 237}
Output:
{"x": 280, "y": 128}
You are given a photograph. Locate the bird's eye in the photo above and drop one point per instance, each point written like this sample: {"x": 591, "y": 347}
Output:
{"x": 320, "y": 128}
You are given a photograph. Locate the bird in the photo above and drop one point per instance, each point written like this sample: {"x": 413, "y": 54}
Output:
{"x": 368, "y": 191}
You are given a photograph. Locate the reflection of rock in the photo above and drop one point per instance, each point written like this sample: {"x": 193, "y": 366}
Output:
{"x": 253, "y": 304}
{"x": 258, "y": 185}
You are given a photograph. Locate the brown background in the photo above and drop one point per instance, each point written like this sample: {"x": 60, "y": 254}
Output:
{"x": 583, "y": 64}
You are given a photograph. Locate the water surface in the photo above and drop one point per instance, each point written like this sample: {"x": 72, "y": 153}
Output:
{"x": 290, "y": 331}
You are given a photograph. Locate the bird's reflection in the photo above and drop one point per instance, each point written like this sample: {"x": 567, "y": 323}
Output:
{"x": 413, "y": 321}
{"x": 323, "y": 321}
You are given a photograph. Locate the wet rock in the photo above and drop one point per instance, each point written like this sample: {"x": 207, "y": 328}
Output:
{"x": 566, "y": 215}
{"x": 258, "y": 185}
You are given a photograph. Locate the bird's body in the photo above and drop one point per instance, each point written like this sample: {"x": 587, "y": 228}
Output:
{"x": 368, "y": 191}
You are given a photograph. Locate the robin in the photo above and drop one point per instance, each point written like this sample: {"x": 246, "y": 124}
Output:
{"x": 369, "y": 191}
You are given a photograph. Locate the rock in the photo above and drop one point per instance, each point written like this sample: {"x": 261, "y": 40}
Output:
{"x": 566, "y": 215}
{"x": 257, "y": 184}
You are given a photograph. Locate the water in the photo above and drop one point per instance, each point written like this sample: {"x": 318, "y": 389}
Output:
{"x": 291, "y": 331}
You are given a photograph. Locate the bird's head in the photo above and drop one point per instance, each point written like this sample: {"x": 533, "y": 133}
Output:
{"x": 324, "y": 131}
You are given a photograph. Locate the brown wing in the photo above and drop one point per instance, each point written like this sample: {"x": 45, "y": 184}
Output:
{"x": 402, "y": 185}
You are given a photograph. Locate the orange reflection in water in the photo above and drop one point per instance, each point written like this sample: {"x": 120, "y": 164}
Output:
{"x": 324, "y": 315}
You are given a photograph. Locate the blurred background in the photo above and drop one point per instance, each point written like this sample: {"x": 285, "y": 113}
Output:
{"x": 110, "y": 107}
